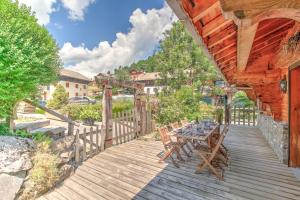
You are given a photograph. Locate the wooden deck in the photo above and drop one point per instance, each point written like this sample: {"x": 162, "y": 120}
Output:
{"x": 131, "y": 171}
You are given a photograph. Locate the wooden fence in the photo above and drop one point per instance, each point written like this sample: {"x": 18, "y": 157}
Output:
{"x": 243, "y": 115}
{"x": 125, "y": 127}
{"x": 88, "y": 143}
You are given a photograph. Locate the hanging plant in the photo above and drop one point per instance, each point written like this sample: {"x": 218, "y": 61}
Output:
{"x": 291, "y": 46}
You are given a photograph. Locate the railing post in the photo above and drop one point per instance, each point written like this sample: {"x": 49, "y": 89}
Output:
{"x": 139, "y": 110}
{"x": 70, "y": 128}
{"x": 107, "y": 115}
{"x": 77, "y": 148}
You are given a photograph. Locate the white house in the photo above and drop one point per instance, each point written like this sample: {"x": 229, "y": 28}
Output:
{"x": 75, "y": 84}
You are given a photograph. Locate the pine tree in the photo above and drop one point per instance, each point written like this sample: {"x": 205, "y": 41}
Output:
{"x": 60, "y": 98}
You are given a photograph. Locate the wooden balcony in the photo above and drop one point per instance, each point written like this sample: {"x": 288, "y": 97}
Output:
{"x": 131, "y": 171}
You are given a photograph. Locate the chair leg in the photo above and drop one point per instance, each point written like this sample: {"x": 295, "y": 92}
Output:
{"x": 166, "y": 155}
{"x": 188, "y": 146}
{"x": 177, "y": 150}
{"x": 174, "y": 162}
{"x": 184, "y": 151}
{"x": 169, "y": 154}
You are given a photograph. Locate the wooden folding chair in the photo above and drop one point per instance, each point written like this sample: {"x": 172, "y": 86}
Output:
{"x": 170, "y": 146}
{"x": 223, "y": 150}
{"x": 209, "y": 156}
{"x": 183, "y": 142}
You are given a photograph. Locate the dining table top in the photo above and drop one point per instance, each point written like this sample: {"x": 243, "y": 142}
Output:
{"x": 196, "y": 131}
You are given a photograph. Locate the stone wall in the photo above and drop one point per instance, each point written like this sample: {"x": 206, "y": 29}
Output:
{"x": 277, "y": 135}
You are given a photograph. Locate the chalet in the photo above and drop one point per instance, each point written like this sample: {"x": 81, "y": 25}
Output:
{"x": 255, "y": 45}
{"x": 75, "y": 84}
{"x": 149, "y": 79}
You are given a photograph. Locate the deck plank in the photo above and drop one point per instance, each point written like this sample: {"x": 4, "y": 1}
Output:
{"x": 131, "y": 171}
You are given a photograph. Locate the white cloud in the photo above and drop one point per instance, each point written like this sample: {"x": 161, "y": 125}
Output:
{"x": 147, "y": 30}
{"x": 44, "y": 8}
{"x": 76, "y": 8}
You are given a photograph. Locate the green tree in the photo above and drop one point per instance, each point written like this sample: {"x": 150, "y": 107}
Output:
{"x": 28, "y": 56}
{"x": 182, "y": 62}
{"x": 240, "y": 98}
{"x": 60, "y": 98}
{"x": 122, "y": 74}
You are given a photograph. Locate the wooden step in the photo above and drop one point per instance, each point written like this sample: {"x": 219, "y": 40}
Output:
{"x": 51, "y": 131}
{"x": 32, "y": 125}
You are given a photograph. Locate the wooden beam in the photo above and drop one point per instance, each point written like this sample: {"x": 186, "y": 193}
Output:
{"x": 245, "y": 40}
{"x": 262, "y": 32}
{"x": 219, "y": 38}
{"x": 204, "y": 10}
{"x": 220, "y": 48}
{"x": 227, "y": 59}
{"x": 214, "y": 25}
{"x": 225, "y": 54}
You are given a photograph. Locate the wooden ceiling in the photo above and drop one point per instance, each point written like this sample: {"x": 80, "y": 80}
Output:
{"x": 244, "y": 39}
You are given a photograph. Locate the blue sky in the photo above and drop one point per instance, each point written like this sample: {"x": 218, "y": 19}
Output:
{"x": 103, "y": 19}
{"x": 101, "y": 35}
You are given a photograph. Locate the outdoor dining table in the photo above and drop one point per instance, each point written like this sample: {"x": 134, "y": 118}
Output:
{"x": 201, "y": 132}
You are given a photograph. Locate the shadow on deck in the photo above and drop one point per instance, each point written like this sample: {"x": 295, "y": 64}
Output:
{"x": 131, "y": 171}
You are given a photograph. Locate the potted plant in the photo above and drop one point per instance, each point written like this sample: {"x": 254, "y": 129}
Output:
{"x": 219, "y": 115}
{"x": 89, "y": 115}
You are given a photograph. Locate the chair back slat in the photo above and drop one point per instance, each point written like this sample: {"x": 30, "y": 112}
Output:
{"x": 163, "y": 132}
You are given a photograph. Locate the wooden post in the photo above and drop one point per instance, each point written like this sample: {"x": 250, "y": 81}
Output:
{"x": 77, "y": 146}
{"x": 84, "y": 144}
{"x": 97, "y": 139}
{"x": 254, "y": 117}
{"x": 139, "y": 105}
{"x": 107, "y": 115}
{"x": 70, "y": 128}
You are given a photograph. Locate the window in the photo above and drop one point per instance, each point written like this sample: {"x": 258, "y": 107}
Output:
{"x": 76, "y": 94}
{"x": 67, "y": 84}
{"x": 84, "y": 94}
{"x": 48, "y": 87}
{"x": 76, "y": 85}
{"x": 148, "y": 90}
{"x": 84, "y": 86}
{"x": 68, "y": 94}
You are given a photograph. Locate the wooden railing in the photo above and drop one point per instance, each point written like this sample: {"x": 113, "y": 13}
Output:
{"x": 125, "y": 127}
{"x": 71, "y": 123}
{"x": 88, "y": 143}
{"x": 243, "y": 115}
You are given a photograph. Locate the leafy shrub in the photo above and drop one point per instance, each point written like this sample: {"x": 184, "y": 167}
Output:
{"x": 184, "y": 103}
{"x": 206, "y": 111}
{"x": 90, "y": 112}
{"x": 40, "y": 111}
{"x": 45, "y": 172}
{"x": 72, "y": 111}
{"x": 121, "y": 105}
{"x": 60, "y": 98}
{"x": 82, "y": 112}
{"x": 169, "y": 110}
{"x": 4, "y": 129}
